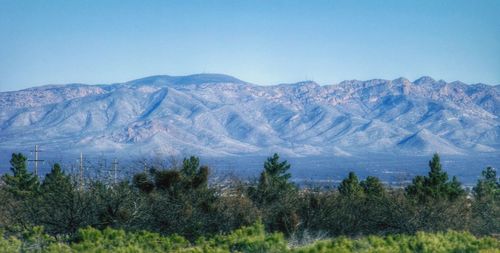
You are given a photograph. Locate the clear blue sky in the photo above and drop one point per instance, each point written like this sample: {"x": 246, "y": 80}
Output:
{"x": 264, "y": 42}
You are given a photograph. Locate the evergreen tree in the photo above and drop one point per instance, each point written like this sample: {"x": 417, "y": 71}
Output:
{"x": 488, "y": 185}
{"x": 190, "y": 166}
{"x": 55, "y": 180}
{"x": 62, "y": 207}
{"x": 454, "y": 189}
{"x": 350, "y": 186}
{"x": 486, "y": 205}
{"x": 191, "y": 176}
{"x": 372, "y": 186}
{"x": 417, "y": 188}
{"x": 21, "y": 183}
{"x": 200, "y": 179}
{"x": 142, "y": 182}
{"x": 169, "y": 180}
{"x": 276, "y": 196}
{"x": 276, "y": 170}
{"x": 436, "y": 185}
{"x": 273, "y": 180}
{"x": 180, "y": 200}
{"x": 114, "y": 206}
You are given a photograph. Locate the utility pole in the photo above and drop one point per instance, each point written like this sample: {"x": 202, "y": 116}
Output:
{"x": 145, "y": 165}
{"x": 36, "y": 160}
{"x": 115, "y": 165}
{"x": 81, "y": 171}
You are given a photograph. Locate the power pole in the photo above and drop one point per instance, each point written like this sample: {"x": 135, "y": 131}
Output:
{"x": 115, "y": 165}
{"x": 81, "y": 171}
{"x": 145, "y": 165}
{"x": 36, "y": 160}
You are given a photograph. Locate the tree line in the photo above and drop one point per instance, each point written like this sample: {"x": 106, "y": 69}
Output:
{"x": 179, "y": 200}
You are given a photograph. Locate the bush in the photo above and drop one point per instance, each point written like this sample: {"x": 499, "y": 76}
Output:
{"x": 421, "y": 242}
{"x": 246, "y": 239}
{"x": 181, "y": 200}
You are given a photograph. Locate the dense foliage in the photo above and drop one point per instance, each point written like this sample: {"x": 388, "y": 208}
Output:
{"x": 177, "y": 206}
{"x": 247, "y": 239}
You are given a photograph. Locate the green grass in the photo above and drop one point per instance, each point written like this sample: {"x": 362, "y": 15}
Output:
{"x": 247, "y": 239}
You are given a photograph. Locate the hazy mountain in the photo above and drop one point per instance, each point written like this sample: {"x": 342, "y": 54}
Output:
{"x": 219, "y": 115}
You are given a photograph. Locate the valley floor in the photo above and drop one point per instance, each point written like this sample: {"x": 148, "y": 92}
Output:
{"x": 392, "y": 169}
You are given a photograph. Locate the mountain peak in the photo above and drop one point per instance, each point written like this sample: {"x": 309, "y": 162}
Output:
{"x": 401, "y": 80}
{"x": 308, "y": 83}
{"x": 207, "y": 78}
{"x": 186, "y": 80}
{"x": 424, "y": 80}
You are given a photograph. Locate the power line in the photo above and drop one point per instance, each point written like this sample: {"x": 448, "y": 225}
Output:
{"x": 36, "y": 160}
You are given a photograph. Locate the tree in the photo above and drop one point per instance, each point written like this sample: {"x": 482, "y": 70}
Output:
{"x": 21, "y": 183}
{"x": 276, "y": 196}
{"x": 454, "y": 189}
{"x": 175, "y": 181}
{"x": 191, "y": 176}
{"x": 273, "y": 180}
{"x": 372, "y": 186}
{"x": 200, "y": 180}
{"x": 55, "y": 180}
{"x": 486, "y": 205}
{"x": 115, "y": 206}
{"x": 62, "y": 207}
{"x": 350, "y": 186}
{"x": 190, "y": 166}
{"x": 168, "y": 180}
{"x": 488, "y": 185}
{"x": 436, "y": 185}
{"x": 177, "y": 200}
{"x": 278, "y": 171}
{"x": 349, "y": 208}
{"x": 142, "y": 182}
{"x": 437, "y": 203}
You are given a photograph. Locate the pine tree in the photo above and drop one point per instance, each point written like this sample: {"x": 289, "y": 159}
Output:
{"x": 276, "y": 195}
{"x": 190, "y": 166}
{"x": 142, "y": 182}
{"x": 436, "y": 181}
{"x": 62, "y": 207}
{"x": 276, "y": 170}
{"x": 486, "y": 206}
{"x": 273, "y": 181}
{"x": 454, "y": 189}
{"x": 55, "y": 180}
{"x": 169, "y": 180}
{"x": 21, "y": 183}
{"x": 372, "y": 186}
{"x": 191, "y": 176}
{"x": 200, "y": 179}
{"x": 488, "y": 185}
{"x": 350, "y": 186}
{"x": 436, "y": 185}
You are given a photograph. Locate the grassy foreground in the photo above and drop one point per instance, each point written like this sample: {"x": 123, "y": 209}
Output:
{"x": 246, "y": 239}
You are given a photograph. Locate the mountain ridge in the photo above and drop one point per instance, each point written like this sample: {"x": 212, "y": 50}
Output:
{"x": 220, "y": 115}
{"x": 419, "y": 80}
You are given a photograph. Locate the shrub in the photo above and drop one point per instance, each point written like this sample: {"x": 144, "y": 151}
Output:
{"x": 247, "y": 239}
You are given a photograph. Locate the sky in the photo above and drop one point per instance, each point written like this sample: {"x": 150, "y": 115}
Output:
{"x": 263, "y": 42}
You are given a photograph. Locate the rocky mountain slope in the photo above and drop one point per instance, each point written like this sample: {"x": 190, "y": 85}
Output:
{"x": 219, "y": 115}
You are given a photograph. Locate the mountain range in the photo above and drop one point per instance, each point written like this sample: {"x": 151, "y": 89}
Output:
{"x": 219, "y": 115}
